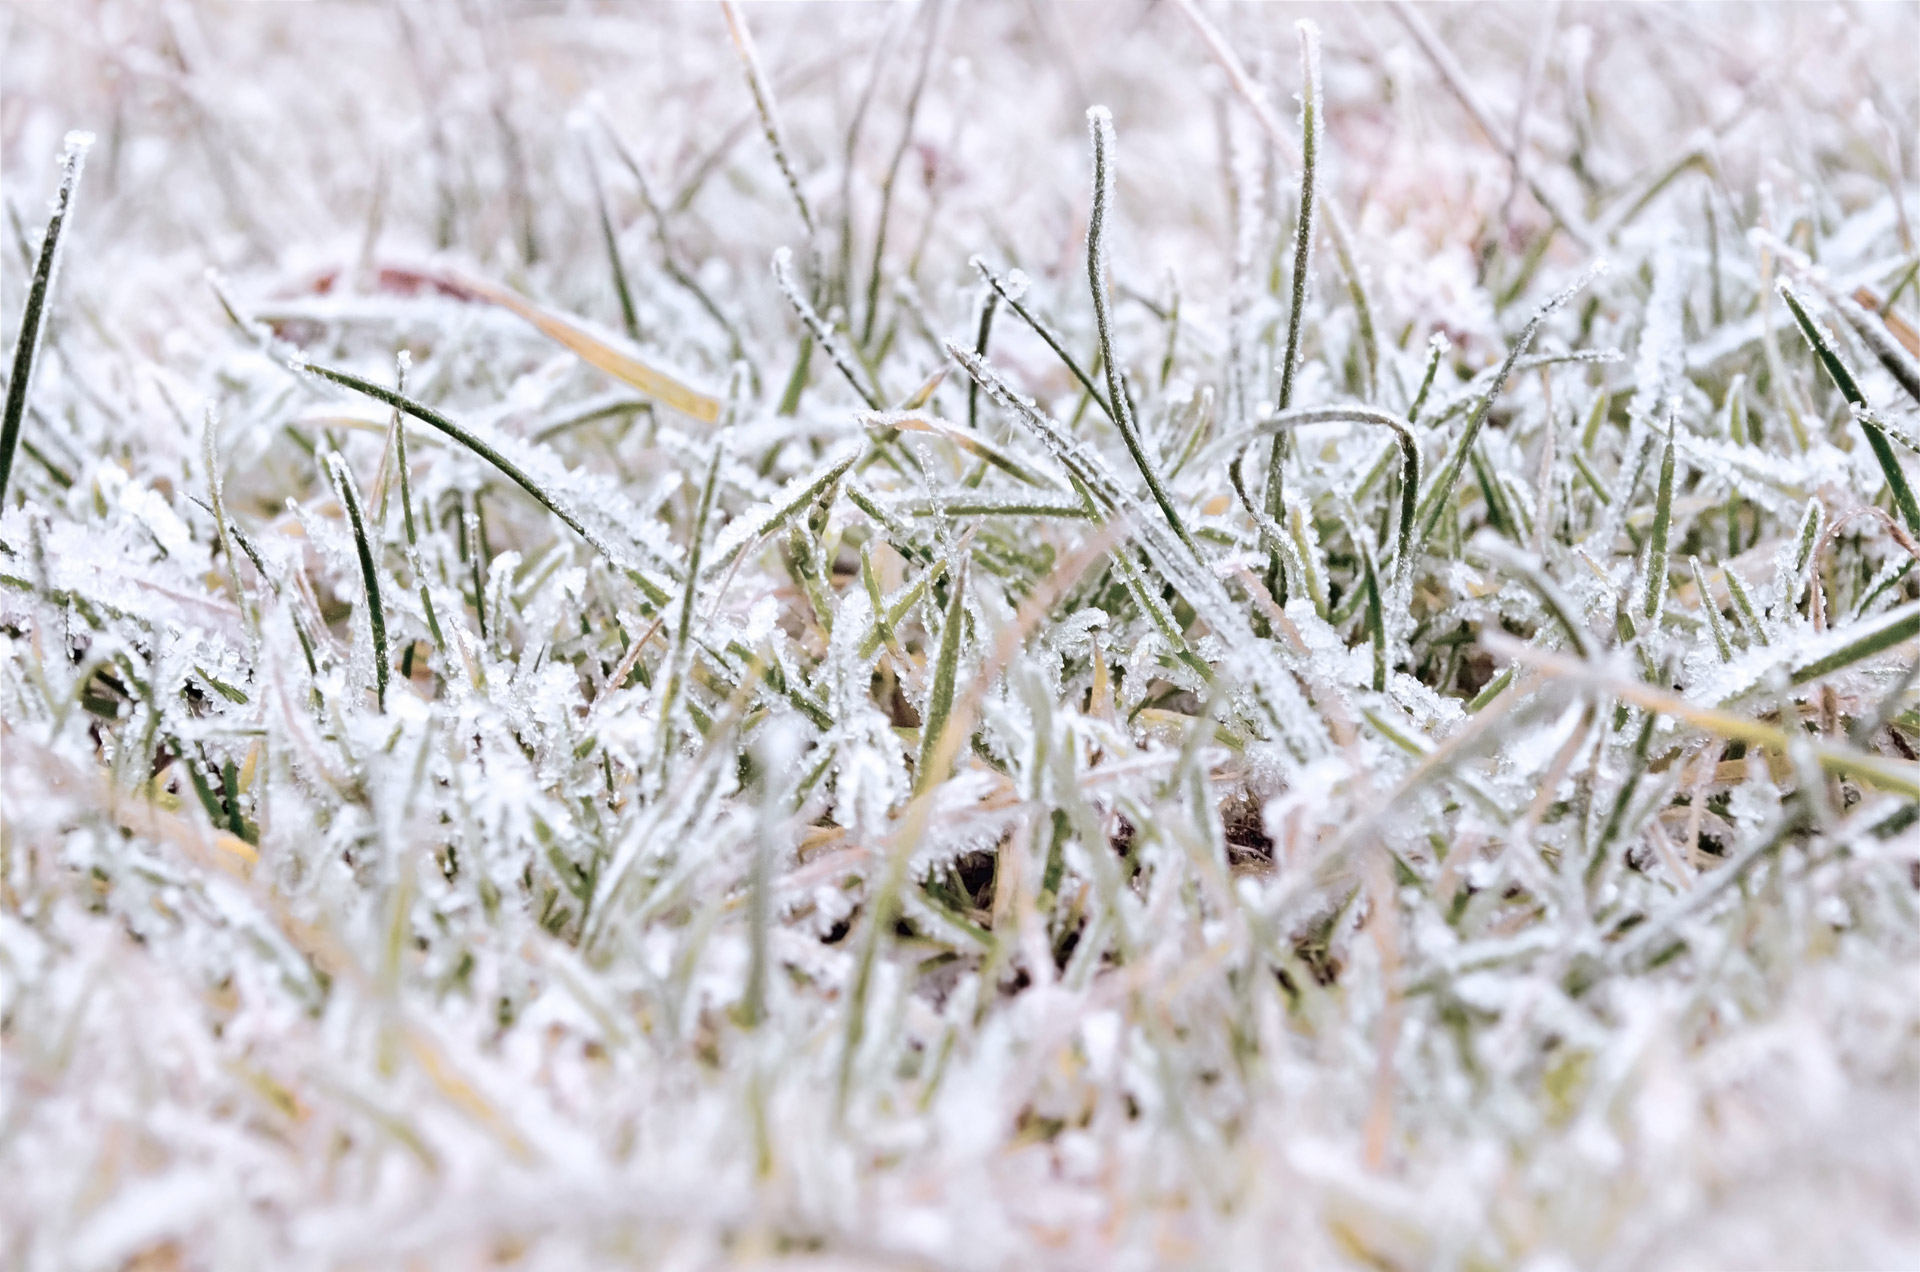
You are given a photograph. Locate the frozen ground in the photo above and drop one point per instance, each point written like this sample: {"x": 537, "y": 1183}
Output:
{"x": 793, "y": 807}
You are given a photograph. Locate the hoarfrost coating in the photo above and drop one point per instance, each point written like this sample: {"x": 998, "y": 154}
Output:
{"x": 1035, "y": 635}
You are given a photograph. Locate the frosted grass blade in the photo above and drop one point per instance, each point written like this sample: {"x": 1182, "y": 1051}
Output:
{"x": 27, "y": 344}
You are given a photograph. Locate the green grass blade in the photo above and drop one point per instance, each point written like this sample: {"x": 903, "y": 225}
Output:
{"x": 546, "y": 499}
{"x": 1376, "y": 617}
{"x": 1300, "y": 417}
{"x": 33, "y": 321}
{"x": 822, "y": 333}
{"x": 1302, "y": 268}
{"x": 1743, "y": 609}
{"x": 629, "y": 317}
{"x": 768, "y": 108}
{"x": 1434, "y": 504}
{"x": 1656, "y": 590}
{"x": 683, "y": 628}
{"x": 343, "y": 486}
{"x": 946, "y": 670}
{"x": 1437, "y": 347}
{"x": 988, "y": 304}
{"x": 1100, "y": 124}
{"x": 1005, "y": 292}
{"x": 1873, "y": 636}
{"x": 1843, "y": 380}
{"x": 1711, "y": 609}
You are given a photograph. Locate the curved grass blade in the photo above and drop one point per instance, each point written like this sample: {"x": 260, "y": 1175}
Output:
{"x": 910, "y": 421}
{"x": 1300, "y": 417}
{"x": 427, "y": 415}
{"x": 629, "y": 318}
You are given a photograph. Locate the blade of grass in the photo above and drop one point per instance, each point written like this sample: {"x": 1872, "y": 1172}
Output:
{"x": 768, "y": 108}
{"x": 907, "y": 421}
{"x": 988, "y": 303}
{"x": 427, "y": 415}
{"x": 927, "y": 773}
{"x": 1300, "y": 417}
{"x": 1656, "y": 590}
{"x": 1743, "y": 610}
{"x": 596, "y": 352}
{"x": 629, "y": 318}
{"x": 670, "y": 258}
{"x": 1437, "y": 347}
{"x": 343, "y": 486}
{"x": 882, "y": 624}
{"x": 822, "y": 333}
{"x": 1622, "y": 799}
{"x": 1863, "y": 412}
{"x": 936, "y": 26}
{"x": 1100, "y": 125}
{"x": 1310, "y": 136}
{"x": 1434, "y": 504}
{"x": 896, "y": 613}
{"x": 683, "y": 627}
{"x": 1005, "y": 290}
{"x": 979, "y": 506}
{"x": 1711, "y": 609}
{"x": 1376, "y": 615}
{"x": 798, "y": 494}
{"x": 210, "y": 452}
{"x": 1897, "y": 776}
{"x": 26, "y": 346}
{"x": 1867, "y": 638}
{"x": 402, "y": 362}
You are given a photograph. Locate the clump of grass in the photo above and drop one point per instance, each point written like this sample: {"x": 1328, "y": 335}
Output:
{"x": 970, "y": 772}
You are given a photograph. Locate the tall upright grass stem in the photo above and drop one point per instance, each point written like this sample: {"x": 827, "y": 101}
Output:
{"x": 1310, "y": 135}
{"x": 33, "y": 320}
{"x": 1100, "y": 125}
{"x": 344, "y": 487}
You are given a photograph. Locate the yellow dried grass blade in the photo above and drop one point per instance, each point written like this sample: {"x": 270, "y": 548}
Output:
{"x": 596, "y": 352}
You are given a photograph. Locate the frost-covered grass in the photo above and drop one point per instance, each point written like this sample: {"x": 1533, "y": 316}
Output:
{"x": 676, "y": 637}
